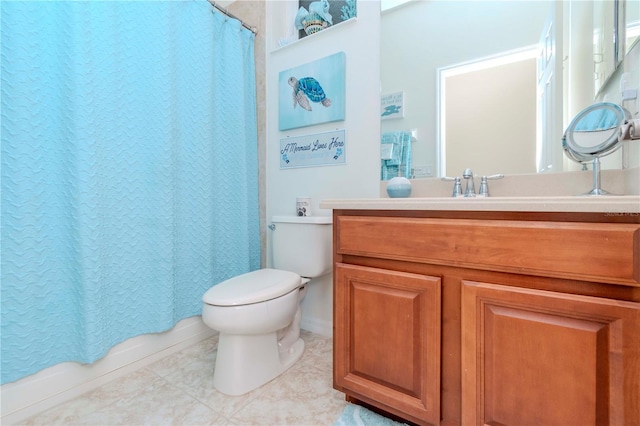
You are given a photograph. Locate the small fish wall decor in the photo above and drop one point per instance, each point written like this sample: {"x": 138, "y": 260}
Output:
{"x": 392, "y": 106}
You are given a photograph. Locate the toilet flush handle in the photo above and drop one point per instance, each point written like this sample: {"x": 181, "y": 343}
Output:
{"x": 272, "y": 226}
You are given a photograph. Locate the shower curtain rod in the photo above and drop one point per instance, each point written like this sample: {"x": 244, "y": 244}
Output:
{"x": 226, "y": 12}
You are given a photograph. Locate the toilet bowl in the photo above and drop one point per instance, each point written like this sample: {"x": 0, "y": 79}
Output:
{"x": 258, "y": 313}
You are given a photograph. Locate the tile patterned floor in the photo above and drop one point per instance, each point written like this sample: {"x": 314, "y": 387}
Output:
{"x": 178, "y": 390}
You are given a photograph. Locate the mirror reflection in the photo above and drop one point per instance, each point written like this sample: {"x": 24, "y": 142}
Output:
{"x": 480, "y": 82}
{"x": 631, "y": 24}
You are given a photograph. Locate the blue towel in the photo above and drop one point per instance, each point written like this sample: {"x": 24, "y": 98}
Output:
{"x": 599, "y": 119}
{"x": 400, "y": 162}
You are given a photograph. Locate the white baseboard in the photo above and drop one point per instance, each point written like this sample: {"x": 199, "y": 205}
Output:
{"x": 52, "y": 386}
{"x": 318, "y": 326}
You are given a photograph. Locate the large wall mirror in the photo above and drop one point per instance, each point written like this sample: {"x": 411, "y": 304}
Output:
{"x": 481, "y": 82}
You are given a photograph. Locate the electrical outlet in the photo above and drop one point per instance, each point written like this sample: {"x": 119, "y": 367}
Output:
{"x": 422, "y": 171}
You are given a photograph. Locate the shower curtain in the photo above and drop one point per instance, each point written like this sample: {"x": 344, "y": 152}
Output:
{"x": 129, "y": 172}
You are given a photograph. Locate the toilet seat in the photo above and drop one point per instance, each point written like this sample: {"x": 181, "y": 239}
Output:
{"x": 252, "y": 287}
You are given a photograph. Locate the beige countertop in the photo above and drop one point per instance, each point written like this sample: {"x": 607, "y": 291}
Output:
{"x": 614, "y": 205}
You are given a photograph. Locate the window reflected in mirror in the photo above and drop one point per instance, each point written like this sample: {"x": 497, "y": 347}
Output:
{"x": 632, "y": 24}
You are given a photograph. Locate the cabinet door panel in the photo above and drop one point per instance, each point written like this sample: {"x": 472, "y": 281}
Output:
{"x": 539, "y": 357}
{"x": 387, "y": 339}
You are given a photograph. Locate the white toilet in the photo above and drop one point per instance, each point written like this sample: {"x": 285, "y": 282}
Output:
{"x": 258, "y": 313}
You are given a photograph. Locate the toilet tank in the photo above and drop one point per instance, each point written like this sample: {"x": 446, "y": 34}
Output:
{"x": 302, "y": 244}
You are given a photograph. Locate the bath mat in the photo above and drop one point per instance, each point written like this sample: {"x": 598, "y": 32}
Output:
{"x": 355, "y": 415}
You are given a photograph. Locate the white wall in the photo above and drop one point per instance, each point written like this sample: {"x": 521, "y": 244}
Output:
{"x": 359, "y": 177}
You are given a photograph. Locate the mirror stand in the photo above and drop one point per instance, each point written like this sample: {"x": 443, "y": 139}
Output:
{"x": 597, "y": 190}
{"x": 596, "y": 131}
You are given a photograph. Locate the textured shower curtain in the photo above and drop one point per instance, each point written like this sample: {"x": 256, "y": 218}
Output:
{"x": 129, "y": 172}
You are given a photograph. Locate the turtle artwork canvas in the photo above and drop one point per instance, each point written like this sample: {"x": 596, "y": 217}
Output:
{"x": 312, "y": 93}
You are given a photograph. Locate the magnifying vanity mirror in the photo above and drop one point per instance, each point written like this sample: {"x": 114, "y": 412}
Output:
{"x": 470, "y": 76}
{"x": 595, "y": 132}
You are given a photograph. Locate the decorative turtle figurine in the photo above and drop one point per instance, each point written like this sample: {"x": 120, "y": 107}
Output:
{"x": 305, "y": 89}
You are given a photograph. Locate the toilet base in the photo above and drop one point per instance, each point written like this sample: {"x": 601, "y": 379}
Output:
{"x": 246, "y": 362}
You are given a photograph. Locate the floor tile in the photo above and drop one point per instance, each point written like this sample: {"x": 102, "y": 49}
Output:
{"x": 301, "y": 396}
{"x": 178, "y": 390}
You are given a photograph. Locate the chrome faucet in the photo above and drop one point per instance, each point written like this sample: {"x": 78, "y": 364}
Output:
{"x": 457, "y": 188}
{"x": 484, "y": 186}
{"x": 470, "y": 190}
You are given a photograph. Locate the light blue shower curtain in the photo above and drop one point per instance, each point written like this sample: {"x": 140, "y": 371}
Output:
{"x": 129, "y": 172}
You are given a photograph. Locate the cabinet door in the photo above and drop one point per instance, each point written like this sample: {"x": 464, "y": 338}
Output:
{"x": 532, "y": 357}
{"x": 387, "y": 340}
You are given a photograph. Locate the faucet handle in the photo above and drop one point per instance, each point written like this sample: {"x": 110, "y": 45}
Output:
{"x": 494, "y": 177}
{"x": 457, "y": 187}
{"x": 484, "y": 186}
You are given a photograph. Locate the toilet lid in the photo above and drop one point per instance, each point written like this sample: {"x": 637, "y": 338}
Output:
{"x": 252, "y": 287}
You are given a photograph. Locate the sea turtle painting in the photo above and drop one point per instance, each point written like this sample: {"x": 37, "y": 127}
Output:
{"x": 308, "y": 89}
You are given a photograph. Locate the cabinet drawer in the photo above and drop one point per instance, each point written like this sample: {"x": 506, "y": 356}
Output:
{"x": 602, "y": 252}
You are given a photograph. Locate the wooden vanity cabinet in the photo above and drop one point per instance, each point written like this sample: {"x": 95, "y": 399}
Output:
{"x": 496, "y": 318}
